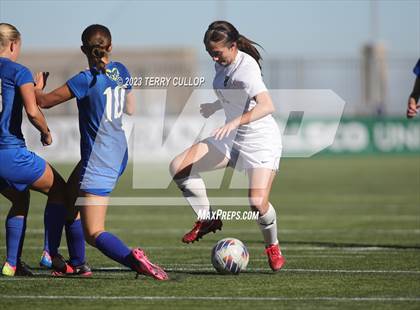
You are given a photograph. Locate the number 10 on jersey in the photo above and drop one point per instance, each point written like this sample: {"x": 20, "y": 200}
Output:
{"x": 114, "y": 103}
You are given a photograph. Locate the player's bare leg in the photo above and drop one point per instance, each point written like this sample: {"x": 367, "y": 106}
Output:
{"x": 185, "y": 169}
{"x": 93, "y": 214}
{"x": 260, "y": 182}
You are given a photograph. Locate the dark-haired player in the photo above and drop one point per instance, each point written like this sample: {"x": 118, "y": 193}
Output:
{"x": 250, "y": 139}
{"x": 102, "y": 97}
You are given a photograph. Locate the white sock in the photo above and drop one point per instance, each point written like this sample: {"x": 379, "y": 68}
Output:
{"x": 268, "y": 226}
{"x": 194, "y": 191}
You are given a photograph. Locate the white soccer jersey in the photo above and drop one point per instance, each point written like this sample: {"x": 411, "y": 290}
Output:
{"x": 257, "y": 143}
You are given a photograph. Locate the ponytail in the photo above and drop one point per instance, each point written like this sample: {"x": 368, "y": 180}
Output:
{"x": 96, "y": 41}
{"x": 97, "y": 53}
{"x": 247, "y": 46}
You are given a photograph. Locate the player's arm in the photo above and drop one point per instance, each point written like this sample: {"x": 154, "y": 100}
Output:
{"x": 48, "y": 100}
{"x": 57, "y": 96}
{"x": 35, "y": 115}
{"x": 130, "y": 104}
{"x": 413, "y": 99}
{"x": 263, "y": 107}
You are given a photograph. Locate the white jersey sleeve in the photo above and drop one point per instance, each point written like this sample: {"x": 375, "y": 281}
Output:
{"x": 252, "y": 79}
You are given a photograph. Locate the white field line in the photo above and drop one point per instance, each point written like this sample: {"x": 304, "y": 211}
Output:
{"x": 314, "y": 256}
{"x": 353, "y": 250}
{"x": 162, "y": 231}
{"x": 216, "y": 298}
{"x": 199, "y": 267}
{"x": 183, "y": 267}
{"x": 340, "y": 250}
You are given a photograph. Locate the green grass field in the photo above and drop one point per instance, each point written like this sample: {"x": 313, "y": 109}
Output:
{"x": 349, "y": 228}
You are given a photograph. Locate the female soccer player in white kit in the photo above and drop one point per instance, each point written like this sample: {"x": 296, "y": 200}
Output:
{"x": 250, "y": 139}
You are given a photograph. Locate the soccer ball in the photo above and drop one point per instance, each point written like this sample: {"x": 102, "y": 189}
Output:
{"x": 229, "y": 256}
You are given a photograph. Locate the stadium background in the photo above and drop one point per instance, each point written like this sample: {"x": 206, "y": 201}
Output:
{"x": 349, "y": 217}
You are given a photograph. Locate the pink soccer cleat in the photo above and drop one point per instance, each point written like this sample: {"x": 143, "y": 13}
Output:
{"x": 143, "y": 266}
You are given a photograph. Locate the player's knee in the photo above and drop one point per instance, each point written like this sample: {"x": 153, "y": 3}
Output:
{"x": 258, "y": 201}
{"x": 91, "y": 235}
{"x": 90, "y": 239}
{"x": 176, "y": 172}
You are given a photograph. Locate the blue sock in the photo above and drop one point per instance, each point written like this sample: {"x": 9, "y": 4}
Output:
{"x": 54, "y": 218}
{"x": 75, "y": 242}
{"x": 15, "y": 234}
{"x": 114, "y": 248}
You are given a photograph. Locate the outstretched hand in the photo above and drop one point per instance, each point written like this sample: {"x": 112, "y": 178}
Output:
{"x": 412, "y": 108}
{"x": 225, "y": 130}
{"x": 41, "y": 80}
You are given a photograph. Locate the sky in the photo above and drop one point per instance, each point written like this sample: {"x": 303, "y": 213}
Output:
{"x": 283, "y": 28}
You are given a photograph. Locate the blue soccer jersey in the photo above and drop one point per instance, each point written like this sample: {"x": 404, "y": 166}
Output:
{"x": 12, "y": 76}
{"x": 19, "y": 167}
{"x": 103, "y": 146}
{"x": 416, "y": 69}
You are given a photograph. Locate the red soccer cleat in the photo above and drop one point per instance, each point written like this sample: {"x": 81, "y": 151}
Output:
{"x": 62, "y": 268}
{"x": 143, "y": 266}
{"x": 202, "y": 228}
{"x": 275, "y": 259}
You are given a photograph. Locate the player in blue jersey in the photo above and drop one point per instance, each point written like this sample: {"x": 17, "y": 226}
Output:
{"x": 413, "y": 105}
{"x": 102, "y": 97}
{"x": 21, "y": 169}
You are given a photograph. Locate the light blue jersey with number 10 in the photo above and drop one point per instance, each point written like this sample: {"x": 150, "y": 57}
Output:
{"x": 103, "y": 146}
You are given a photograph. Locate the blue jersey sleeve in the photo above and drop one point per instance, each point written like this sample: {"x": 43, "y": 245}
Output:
{"x": 416, "y": 69}
{"x": 79, "y": 85}
{"x": 125, "y": 74}
{"x": 23, "y": 76}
